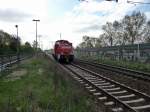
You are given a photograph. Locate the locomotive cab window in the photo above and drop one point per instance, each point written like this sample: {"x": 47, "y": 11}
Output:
{"x": 56, "y": 46}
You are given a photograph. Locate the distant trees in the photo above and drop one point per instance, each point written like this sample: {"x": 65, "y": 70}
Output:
{"x": 8, "y": 44}
{"x": 27, "y": 48}
{"x": 90, "y": 42}
{"x": 131, "y": 29}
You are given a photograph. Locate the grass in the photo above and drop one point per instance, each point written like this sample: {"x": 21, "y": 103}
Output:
{"x": 145, "y": 67}
{"x": 42, "y": 89}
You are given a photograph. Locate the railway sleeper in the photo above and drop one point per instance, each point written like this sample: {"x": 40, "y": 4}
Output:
{"x": 112, "y": 89}
{"x": 107, "y": 86}
{"x": 89, "y": 87}
{"x": 97, "y": 94}
{"x": 125, "y": 96}
{"x": 138, "y": 104}
{"x": 130, "y": 98}
{"x": 98, "y": 81}
{"x": 102, "y": 98}
{"x": 118, "y": 92}
{"x": 117, "y": 109}
{"x": 89, "y": 78}
{"x": 92, "y": 90}
{"x": 143, "y": 107}
{"x": 86, "y": 84}
{"x": 134, "y": 101}
{"x": 109, "y": 103}
{"x": 103, "y": 84}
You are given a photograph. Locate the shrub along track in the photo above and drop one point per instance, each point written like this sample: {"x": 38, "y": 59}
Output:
{"x": 115, "y": 96}
{"x": 130, "y": 78}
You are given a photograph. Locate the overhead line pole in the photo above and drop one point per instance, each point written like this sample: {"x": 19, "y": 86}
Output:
{"x": 60, "y": 36}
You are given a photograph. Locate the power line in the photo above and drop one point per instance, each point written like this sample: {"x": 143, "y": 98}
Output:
{"x": 132, "y": 2}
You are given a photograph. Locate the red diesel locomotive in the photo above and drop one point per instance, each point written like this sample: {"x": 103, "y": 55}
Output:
{"x": 63, "y": 51}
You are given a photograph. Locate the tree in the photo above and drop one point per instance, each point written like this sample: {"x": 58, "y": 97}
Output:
{"x": 133, "y": 26}
{"x": 131, "y": 29}
{"x": 27, "y": 44}
{"x": 98, "y": 43}
{"x": 8, "y": 43}
{"x": 146, "y": 35}
{"x": 104, "y": 41}
{"x": 88, "y": 42}
{"x": 82, "y": 45}
{"x": 26, "y": 48}
{"x": 109, "y": 32}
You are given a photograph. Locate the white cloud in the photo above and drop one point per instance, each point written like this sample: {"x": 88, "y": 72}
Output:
{"x": 22, "y": 12}
{"x": 87, "y": 18}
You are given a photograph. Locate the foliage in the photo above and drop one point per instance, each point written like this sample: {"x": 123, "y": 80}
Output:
{"x": 27, "y": 48}
{"x": 9, "y": 44}
{"x": 108, "y": 29}
{"x": 90, "y": 42}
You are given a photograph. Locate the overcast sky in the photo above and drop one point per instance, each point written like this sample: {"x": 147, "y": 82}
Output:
{"x": 71, "y": 18}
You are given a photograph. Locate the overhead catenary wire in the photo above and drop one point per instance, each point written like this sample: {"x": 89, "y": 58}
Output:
{"x": 132, "y": 2}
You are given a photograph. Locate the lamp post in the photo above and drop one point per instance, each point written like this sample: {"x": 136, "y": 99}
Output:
{"x": 36, "y": 20}
{"x": 18, "y": 52}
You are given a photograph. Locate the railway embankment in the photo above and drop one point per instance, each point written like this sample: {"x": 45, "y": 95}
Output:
{"x": 38, "y": 85}
{"x": 144, "y": 67}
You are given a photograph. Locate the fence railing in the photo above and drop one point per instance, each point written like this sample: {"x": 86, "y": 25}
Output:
{"x": 7, "y": 60}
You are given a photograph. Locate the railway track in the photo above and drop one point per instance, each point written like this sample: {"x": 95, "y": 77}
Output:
{"x": 120, "y": 70}
{"x": 115, "y": 96}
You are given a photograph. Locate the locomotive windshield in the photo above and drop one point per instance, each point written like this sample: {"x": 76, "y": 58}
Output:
{"x": 63, "y": 42}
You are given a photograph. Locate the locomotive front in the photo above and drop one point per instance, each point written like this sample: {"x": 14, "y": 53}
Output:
{"x": 63, "y": 51}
